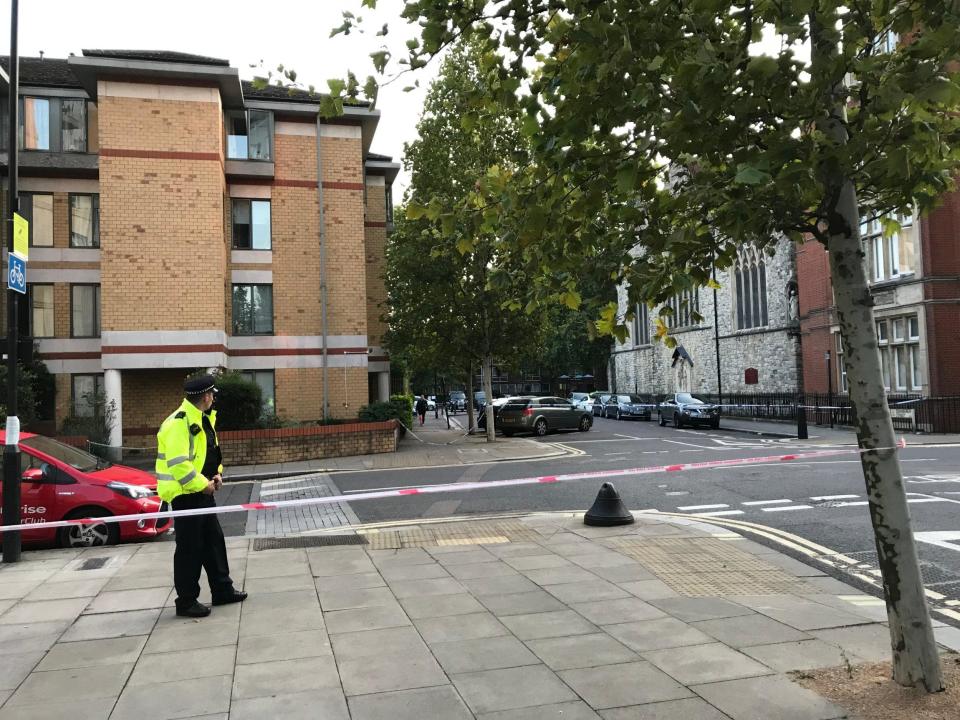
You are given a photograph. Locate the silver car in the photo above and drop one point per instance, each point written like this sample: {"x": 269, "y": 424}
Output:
{"x": 542, "y": 415}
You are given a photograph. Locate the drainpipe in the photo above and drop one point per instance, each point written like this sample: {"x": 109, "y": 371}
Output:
{"x": 323, "y": 278}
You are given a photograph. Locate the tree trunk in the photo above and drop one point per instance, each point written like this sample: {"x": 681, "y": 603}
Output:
{"x": 471, "y": 419}
{"x": 915, "y": 658}
{"x": 406, "y": 382}
{"x": 488, "y": 392}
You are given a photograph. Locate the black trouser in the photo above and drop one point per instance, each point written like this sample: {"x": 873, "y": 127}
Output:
{"x": 199, "y": 544}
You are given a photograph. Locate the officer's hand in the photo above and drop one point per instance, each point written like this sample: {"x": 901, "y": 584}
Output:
{"x": 210, "y": 488}
{"x": 218, "y": 481}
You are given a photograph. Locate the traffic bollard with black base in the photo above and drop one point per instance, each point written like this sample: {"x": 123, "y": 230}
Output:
{"x": 608, "y": 509}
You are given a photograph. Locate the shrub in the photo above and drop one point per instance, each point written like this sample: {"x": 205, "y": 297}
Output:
{"x": 404, "y": 404}
{"x": 383, "y": 411}
{"x": 239, "y": 403}
{"x": 26, "y": 394}
{"x": 95, "y": 428}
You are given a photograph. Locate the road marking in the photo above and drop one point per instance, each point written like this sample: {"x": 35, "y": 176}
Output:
{"x": 941, "y": 538}
{"x": 276, "y": 483}
{"x": 719, "y": 513}
{"x": 702, "y": 507}
{"x": 834, "y": 497}
{"x": 787, "y": 508}
{"x": 678, "y": 492}
{"x": 612, "y": 454}
{"x": 766, "y": 502}
{"x": 701, "y": 447}
{"x": 929, "y": 500}
{"x": 858, "y": 503}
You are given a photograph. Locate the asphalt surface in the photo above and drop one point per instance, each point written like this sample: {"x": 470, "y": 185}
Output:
{"x": 821, "y": 500}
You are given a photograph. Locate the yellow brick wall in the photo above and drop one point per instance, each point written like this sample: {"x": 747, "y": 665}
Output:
{"x": 300, "y": 392}
{"x": 150, "y": 395}
{"x": 375, "y": 261}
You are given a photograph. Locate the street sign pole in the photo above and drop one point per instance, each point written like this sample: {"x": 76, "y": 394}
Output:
{"x": 11, "y": 449}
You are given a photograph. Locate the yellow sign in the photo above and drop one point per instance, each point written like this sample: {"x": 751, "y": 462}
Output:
{"x": 20, "y": 236}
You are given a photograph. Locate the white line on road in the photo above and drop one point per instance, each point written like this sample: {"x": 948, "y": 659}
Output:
{"x": 834, "y": 497}
{"x": 858, "y": 503}
{"x": 719, "y": 513}
{"x": 787, "y": 508}
{"x": 929, "y": 499}
{"x": 276, "y": 483}
{"x": 702, "y": 447}
{"x": 702, "y": 507}
{"x": 612, "y": 454}
{"x": 766, "y": 502}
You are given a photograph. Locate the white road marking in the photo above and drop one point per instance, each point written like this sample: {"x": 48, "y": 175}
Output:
{"x": 787, "y": 508}
{"x": 834, "y": 497}
{"x": 766, "y": 502}
{"x": 719, "y": 513}
{"x": 929, "y": 499}
{"x": 612, "y": 454}
{"x": 275, "y": 483}
{"x": 678, "y": 492}
{"x": 859, "y": 503}
{"x": 701, "y": 447}
{"x": 702, "y": 507}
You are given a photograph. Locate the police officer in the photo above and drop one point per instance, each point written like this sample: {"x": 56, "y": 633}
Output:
{"x": 189, "y": 472}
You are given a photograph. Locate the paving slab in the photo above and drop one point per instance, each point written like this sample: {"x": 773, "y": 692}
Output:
{"x": 278, "y": 602}
{"x": 284, "y": 676}
{"x": 44, "y": 611}
{"x": 624, "y": 573}
{"x": 686, "y": 709}
{"x": 657, "y": 634}
{"x": 265, "y": 623}
{"x": 30, "y": 636}
{"x": 367, "y": 618}
{"x": 396, "y": 573}
{"x": 767, "y": 698}
{"x": 481, "y": 570}
{"x": 140, "y": 582}
{"x": 283, "y": 646}
{"x": 580, "y": 651}
{"x": 509, "y": 585}
{"x": 691, "y": 609}
{"x": 181, "y": 699}
{"x": 434, "y": 702}
{"x": 285, "y": 583}
{"x": 188, "y": 637}
{"x": 67, "y": 590}
{"x": 76, "y": 684}
{"x": 799, "y": 612}
{"x": 558, "y": 575}
{"x": 536, "y": 562}
{"x": 329, "y": 566}
{"x": 870, "y": 642}
{"x": 608, "y": 612}
{"x": 649, "y": 589}
{"x": 440, "y": 606}
{"x": 460, "y": 627}
{"x": 492, "y": 653}
{"x": 800, "y": 655}
{"x": 88, "y": 653}
{"x": 558, "y": 623}
{"x": 577, "y": 710}
{"x": 93, "y": 709}
{"x": 124, "y": 600}
{"x": 705, "y": 663}
{"x": 358, "y": 645}
{"x": 15, "y": 667}
{"x": 424, "y": 588}
{"x": 328, "y": 704}
{"x": 609, "y": 686}
{"x": 184, "y": 665}
{"x": 350, "y": 582}
{"x": 521, "y": 603}
{"x": 404, "y": 556}
{"x": 520, "y": 687}
{"x": 387, "y": 672}
{"x": 754, "y": 629}
{"x": 468, "y": 557}
{"x": 583, "y": 592}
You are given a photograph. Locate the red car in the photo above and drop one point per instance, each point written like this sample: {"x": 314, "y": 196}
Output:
{"x": 60, "y": 482}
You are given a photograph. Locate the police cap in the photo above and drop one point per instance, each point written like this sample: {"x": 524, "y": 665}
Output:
{"x": 199, "y": 385}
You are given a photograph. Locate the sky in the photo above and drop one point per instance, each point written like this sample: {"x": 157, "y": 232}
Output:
{"x": 294, "y": 33}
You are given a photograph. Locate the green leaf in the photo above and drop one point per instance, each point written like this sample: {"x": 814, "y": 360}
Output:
{"x": 415, "y": 211}
{"x": 572, "y": 299}
{"x": 337, "y": 86}
{"x": 627, "y": 178}
{"x": 763, "y": 66}
{"x": 380, "y": 59}
{"x": 749, "y": 175}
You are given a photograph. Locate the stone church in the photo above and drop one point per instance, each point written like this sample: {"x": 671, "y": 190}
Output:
{"x": 757, "y": 327}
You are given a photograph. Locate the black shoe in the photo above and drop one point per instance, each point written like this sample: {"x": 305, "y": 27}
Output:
{"x": 197, "y": 610}
{"x": 235, "y": 597}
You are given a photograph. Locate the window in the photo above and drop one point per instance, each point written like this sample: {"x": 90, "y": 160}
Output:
{"x": 87, "y": 395}
{"x": 841, "y": 364}
{"x": 252, "y": 309}
{"x": 684, "y": 305}
{"x": 250, "y": 135}
{"x": 85, "y": 311}
{"x": 85, "y": 221}
{"x": 251, "y": 224}
{"x": 264, "y": 378}
{"x": 40, "y": 298}
{"x": 640, "y": 330}
{"x": 900, "y": 353}
{"x": 37, "y": 209}
{"x": 750, "y": 281}
{"x": 57, "y": 124}
{"x": 890, "y": 257}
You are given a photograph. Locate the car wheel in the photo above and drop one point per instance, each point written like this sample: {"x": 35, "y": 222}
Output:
{"x": 585, "y": 423}
{"x": 677, "y": 422}
{"x": 661, "y": 421}
{"x": 508, "y": 433}
{"x": 79, "y": 536}
{"x": 540, "y": 427}
{"x": 619, "y": 416}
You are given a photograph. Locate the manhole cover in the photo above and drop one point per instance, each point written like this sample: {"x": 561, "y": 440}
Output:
{"x": 285, "y": 543}
{"x": 93, "y": 563}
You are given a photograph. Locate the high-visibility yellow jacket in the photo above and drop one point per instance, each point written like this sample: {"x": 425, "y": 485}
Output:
{"x": 181, "y": 452}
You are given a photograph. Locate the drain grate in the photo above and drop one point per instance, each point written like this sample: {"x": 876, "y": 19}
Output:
{"x": 93, "y": 563}
{"x": 286, "y": 543}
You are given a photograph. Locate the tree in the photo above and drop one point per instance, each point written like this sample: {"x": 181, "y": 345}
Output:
{"x": 660, "y": 124}
{"x": 443, "y": 310}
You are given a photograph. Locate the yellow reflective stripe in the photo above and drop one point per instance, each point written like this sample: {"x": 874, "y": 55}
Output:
{"x": 161, "y": 456}
{"x": 177, "y": 460}
{"x": 188, "y": 477}
{"x": 164, "y": 476}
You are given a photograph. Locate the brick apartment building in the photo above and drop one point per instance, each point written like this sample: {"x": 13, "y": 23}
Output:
{"x": 175, "y": 224}
{"x": 915, "y": 281}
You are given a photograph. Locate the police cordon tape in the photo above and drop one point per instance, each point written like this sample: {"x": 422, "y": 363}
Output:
{"x": 449, "y": 487}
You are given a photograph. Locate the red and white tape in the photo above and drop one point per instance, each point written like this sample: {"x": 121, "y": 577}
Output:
{"x": 447, "y": 488}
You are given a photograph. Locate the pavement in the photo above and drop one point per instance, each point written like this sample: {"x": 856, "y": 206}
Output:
{"x": 499, "y": 619}
{"x": 432, "y": 445}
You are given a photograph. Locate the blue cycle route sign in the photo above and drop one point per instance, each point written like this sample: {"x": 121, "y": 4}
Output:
{"x": 17, "y": 274}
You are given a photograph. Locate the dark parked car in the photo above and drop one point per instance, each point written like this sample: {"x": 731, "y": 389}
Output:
{"x": 626, "y": 406}
{"x": 599, "y": 400}
{"x": 457, "y": 401}
{"x": 482, "y": 415}
{"x": 542, "y": 415}
{"x": 685, "y": 409}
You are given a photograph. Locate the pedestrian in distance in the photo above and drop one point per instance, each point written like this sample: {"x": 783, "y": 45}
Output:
{"x": 422, "y": 408}
{"x": 189, "y": 471}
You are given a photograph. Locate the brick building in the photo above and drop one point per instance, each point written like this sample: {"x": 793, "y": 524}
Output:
{"x": 915, "y": 281}
{"x": 176, "y": 224}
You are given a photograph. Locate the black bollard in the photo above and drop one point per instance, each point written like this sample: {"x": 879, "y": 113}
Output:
{"x": 608, "y": 509}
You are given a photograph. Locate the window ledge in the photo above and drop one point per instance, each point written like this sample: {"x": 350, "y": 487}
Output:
{"x": 249, "y": 168}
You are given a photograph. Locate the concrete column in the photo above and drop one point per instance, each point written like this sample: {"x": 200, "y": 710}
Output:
{"x": 384, "y": 382}
{"x": 112, "y": 390}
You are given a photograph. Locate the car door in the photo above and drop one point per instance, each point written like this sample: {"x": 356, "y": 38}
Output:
{"x": 667, "y": 407}
{"x": 38, "y": 496}
{"x": 563, "y": 411}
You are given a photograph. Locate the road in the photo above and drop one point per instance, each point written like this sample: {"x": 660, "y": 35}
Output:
{"x": 820, "y": 500}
